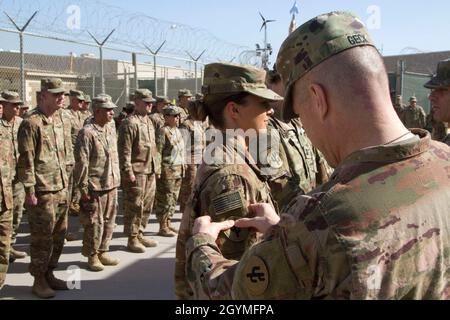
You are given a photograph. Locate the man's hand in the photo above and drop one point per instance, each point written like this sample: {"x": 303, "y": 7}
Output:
{"x": 132, "y": 178}
{"x": 31, "y": 200}
{"x": 204, "y": 225}
{"x": 264, "y": 217}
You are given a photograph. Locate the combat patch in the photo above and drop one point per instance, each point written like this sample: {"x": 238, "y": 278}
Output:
{"x": 256, "y": 276}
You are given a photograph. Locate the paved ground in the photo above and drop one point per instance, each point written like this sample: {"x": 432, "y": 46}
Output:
{"x": 146, "y": 275}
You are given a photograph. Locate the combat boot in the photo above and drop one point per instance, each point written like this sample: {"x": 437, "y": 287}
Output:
{"x": 148, "y": 243}
{"x": 41, "y": 288}
{"x": 134, "y": 245}
{"x": 171, "y": 228}
{"x": 54, "y": 283}
{"x": 15, "y": 254}
{"x": 94, "y": 263}
{"x": 107, "y": 260}
{"x": 164, "y": 230}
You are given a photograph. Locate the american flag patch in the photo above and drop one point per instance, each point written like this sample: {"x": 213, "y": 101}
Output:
{"x": 228, "y": 202}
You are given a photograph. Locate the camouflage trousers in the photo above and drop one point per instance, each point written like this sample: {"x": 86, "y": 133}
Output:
{"x": 98, "y": 217}
{"x": 18, "y": 202}
{"x": 167, "y": 192}
{"x": 5, "y": 243}
{"x": 74, "y": 191}
{"x": 187, "y": 185}
{"x": 48, "y": 226}
{"x": 138, "y": 199}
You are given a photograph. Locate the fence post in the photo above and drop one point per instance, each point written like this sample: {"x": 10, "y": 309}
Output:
{"x": 100, "y": 45}
{"x": 22, "y": 54}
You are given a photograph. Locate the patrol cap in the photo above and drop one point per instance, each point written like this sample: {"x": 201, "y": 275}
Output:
{"x": 1, "y": 98}
{"x": 11, "y": 97}
{"x": 314, "y": 42}
{"x": 171, "y": 110}
{"x": 77, "y": 94}
{"x": 199, "y": 96}
{"x": 144, "y": 95}
{"x": 162, "y": 99}
{"x": 52, "y": 85}
{"x": 184, "y": 93}
{"x": 227, "y": 78}
{"x": 103, "y": 101}
{"x": 87, "y": 98}
{"x": 412, "y": 99}
{"x": 442, "y": 77}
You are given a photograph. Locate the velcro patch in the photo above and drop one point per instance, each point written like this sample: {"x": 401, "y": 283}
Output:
{"x": 228, "y": 202}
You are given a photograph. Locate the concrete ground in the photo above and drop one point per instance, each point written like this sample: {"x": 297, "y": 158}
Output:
{"x": 139, "y": 276}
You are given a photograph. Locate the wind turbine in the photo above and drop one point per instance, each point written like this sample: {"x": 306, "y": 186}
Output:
{"x": 265, "y": 58}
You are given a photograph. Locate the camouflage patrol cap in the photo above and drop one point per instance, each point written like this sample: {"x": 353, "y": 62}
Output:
{"x": 144, "y": 95}
{"x": 11, "y": 97}
{"x": 77, "y": 94}
{"x": 171, "y": 110}
{"x": 442, "y": 77}
{"x": 130, "y": 106}
{"x": 413, "y": 98}
{"x": 103, "y": 101}
{"x": 52, "y": 85}
{"x": 227, "y": 78}
{"x": 87, "y": 98}
{"x": 162, "y": 99}
{"x": 314, "y": 42}
{"x": 184, "y": 93}
{"x": 199, "y": 96}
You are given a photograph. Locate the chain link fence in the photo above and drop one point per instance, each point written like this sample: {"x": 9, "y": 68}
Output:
{"x": 79, "y": 66}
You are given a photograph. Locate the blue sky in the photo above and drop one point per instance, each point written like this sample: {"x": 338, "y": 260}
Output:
{"x": 421, "y": 25}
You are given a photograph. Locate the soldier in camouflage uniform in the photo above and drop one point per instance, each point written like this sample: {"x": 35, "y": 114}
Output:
{"x": 379, "y": 229}
{"x": 235, "y": 98}
{"x": 413, "y": 115}
{"x": 127, "y": 111}
{"x": 42, "y": 170}
{"x": 171, "y": 149}
{"x": 139, "y": 164}
{"x": 399, "y": 107}
{"x": 78, "y": 116}
{"x": 97, "y": 175}
{"x": 299, "y": 167}
{"x": 440, "y": 94}
{"x": 184, "y": 97}
{"x": 11, "y": 122}
{"x": 194, "y": 136}
{"x": 156, "y": 116}
{"x": 7, "y": 173}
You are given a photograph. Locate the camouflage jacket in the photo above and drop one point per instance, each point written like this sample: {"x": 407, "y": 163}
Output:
{"x": 170, "y": 146}
{"x": 96, "y": 159}
{"x": 414, "y": 117}
{"x": 138, "y": 152}
{"x": 224, "y": 191}
{"x": 78, "y": 118}
{"x": 42, "y": 159}
{"x": 66, "y": 118}
{"x": 11, "y": 130}
{"x": 299, "y": 168}
{"x": 379, "y": 229}
{"x": 158, "y": 120}
{"x": 195, "y": 141}
{"x": 184, "y": 114}
{"x": 7, "y": 171}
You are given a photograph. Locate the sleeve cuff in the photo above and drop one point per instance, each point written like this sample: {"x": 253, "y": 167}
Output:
{"x": 199, "y": 240}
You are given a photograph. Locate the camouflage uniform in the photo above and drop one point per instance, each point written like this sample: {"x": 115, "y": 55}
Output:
{"x": 195, "y": 144}
{"x": 341, "y": 242}
{"x": 42, "y": 170}
{"x": 11, "y": 129}
{"x": 299, "y": 168}
{"x": 441, "y": 80}
{"x": 138, "y": 157}
{"x": 184, "y": 113}
{"x": 7, "y": 173}
{"x": 170, "y": 146}
{"x": 414, "y": 117}
{"x": 224, "y": 189}
{"x": 157, "y": 119}
{"x": 97, "y": 175}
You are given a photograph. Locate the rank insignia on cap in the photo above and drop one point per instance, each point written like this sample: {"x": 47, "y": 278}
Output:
{"x": 228, "y": 202}
{"x": 236, "y": 234}
{"x": 256, "y": 276}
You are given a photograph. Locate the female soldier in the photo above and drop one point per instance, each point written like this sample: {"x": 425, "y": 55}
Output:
{"x": 235, "y": 97}
{"x": 170, "y": 146}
